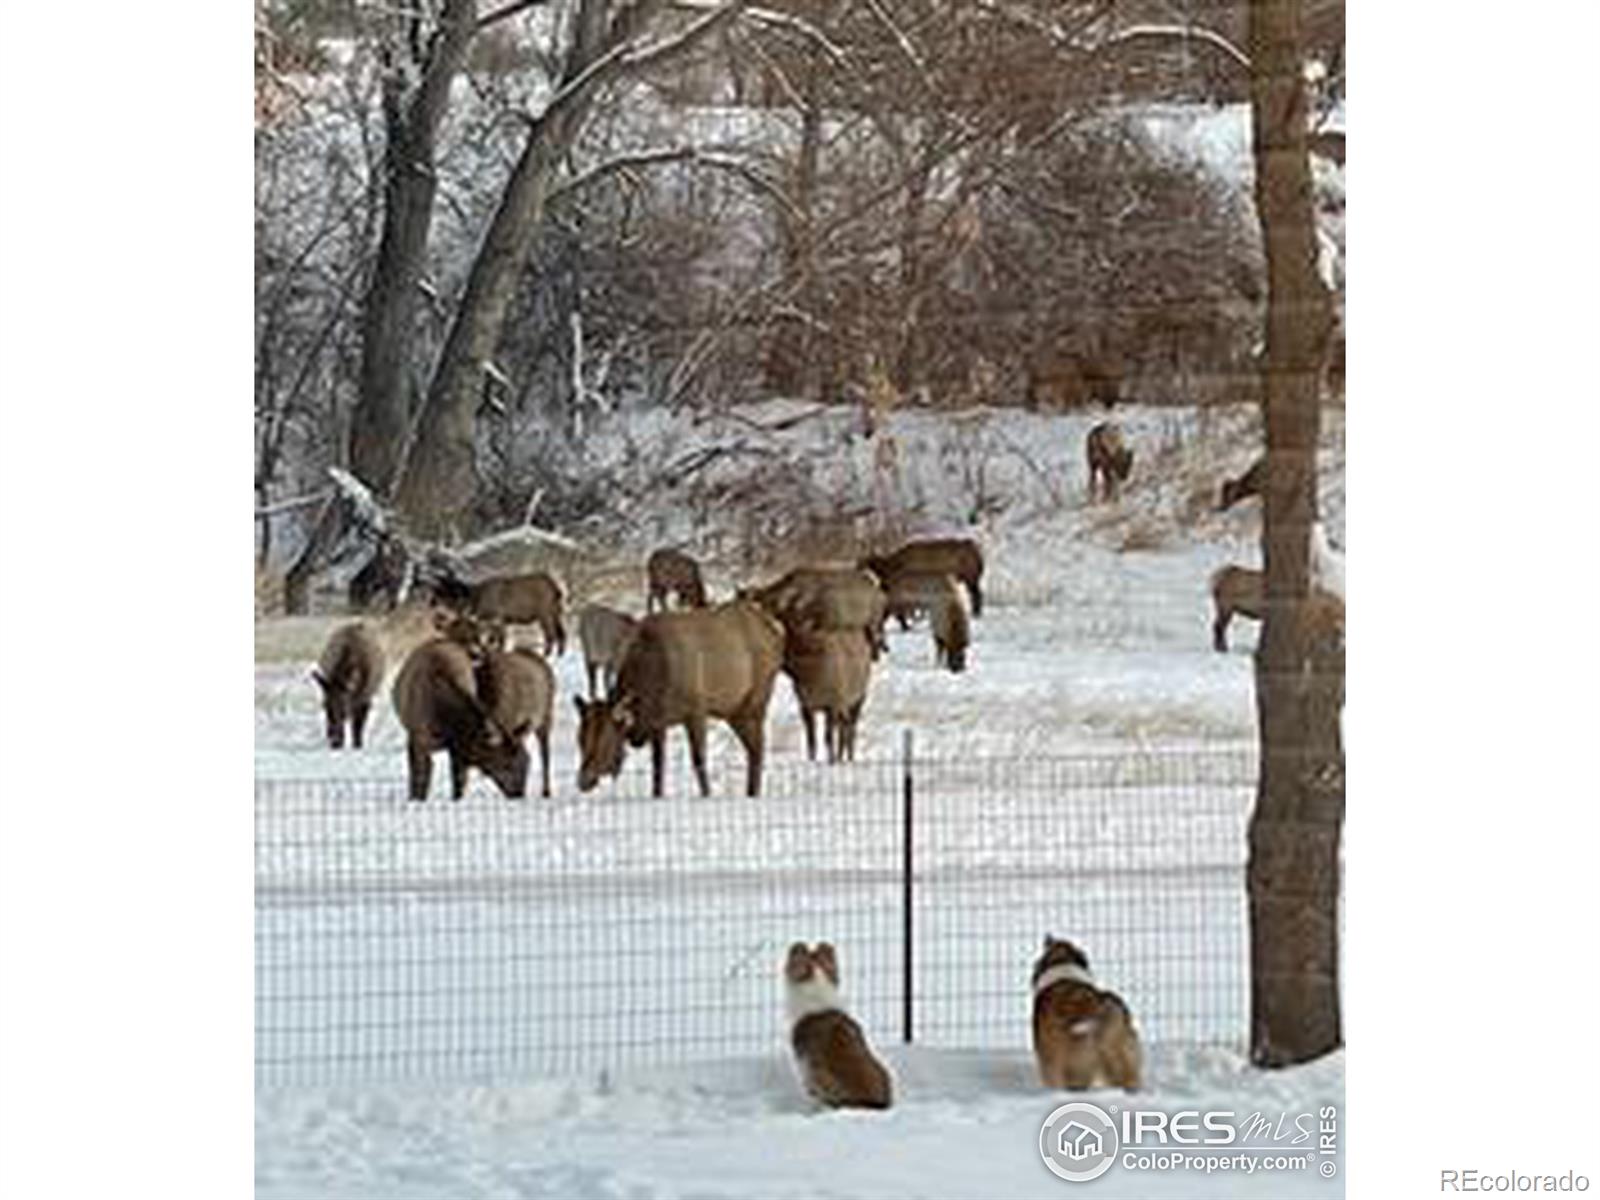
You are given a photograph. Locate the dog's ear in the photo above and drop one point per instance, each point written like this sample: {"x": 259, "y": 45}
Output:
{"x": 797, "y": 967}
{"x": 828, "y": 959}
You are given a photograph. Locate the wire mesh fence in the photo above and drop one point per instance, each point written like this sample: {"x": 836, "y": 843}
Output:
{"x": 491, "y": 940}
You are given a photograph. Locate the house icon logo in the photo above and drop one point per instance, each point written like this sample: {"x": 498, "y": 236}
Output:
{"x": 1079, "y": 1142}
{"x": 1076, "y": 1141}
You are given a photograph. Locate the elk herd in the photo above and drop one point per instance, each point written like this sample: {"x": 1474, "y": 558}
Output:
{"x": 688, "y": 661}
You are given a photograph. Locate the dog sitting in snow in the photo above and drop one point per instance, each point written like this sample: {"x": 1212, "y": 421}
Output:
{"x": 1083, "y": 1036}
{"x": 835, "y": 1063}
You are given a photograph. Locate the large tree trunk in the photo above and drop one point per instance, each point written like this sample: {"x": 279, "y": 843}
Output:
{"x": 440, "y": 478}
{"x": 1295, "y": 831}
{"x": 412, "y": 115}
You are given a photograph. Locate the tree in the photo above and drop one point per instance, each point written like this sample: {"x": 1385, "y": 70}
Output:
{"x": 418, "y": 67}
{"x": 1293, "y": 872}
{"x": 439, "y": 480}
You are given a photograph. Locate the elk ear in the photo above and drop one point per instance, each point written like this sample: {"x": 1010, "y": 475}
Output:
{"x": 622, "y": 712}
{"x": 318, "y": 679}
{"x": 578, "y": 703}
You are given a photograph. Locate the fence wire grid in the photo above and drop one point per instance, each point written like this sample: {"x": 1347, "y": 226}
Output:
{"x": 494, "y": 940}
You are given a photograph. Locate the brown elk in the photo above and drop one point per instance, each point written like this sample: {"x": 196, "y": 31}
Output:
{"x": 533, "y": 599}
{"x": 958, "y": 557}
{"x": 605, "y": 635}
{"x": 683, "y": 669}
{"x": 673, "y": 573}
{"x": 830, "y": 670}
{"x": 518, "y": 692}
{"x": 938, "y": 596}
{"x": 1247, "y": 485}
{"x": 437, "y": 698}
{"x": 1110, "y": 458}
{"x": 349, "y": 672}
{"x": 1241, "y": 591}
{"x": 837, "y": 598}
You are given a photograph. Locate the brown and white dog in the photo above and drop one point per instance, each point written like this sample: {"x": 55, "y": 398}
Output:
{"x": 836, "y": 1065}
{"x": 1083, "y": 1036}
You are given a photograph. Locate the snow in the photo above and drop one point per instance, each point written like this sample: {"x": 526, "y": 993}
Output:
{"x": 965, "y": 1123}
{"x": 453, "y": 950}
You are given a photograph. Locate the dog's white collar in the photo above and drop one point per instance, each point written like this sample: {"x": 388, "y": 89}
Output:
{"x": 1063, "y": 973}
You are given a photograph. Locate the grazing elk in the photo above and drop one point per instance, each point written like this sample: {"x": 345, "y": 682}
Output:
{"x": 938, "y": 596}
{"x": 673, "y": 573}
{"x": 533, "y": 599}
{"x": 1110, "y": 458}
{"x": 683, "y": 669}
{"x": 437, "y": 698}
{"x": 349, "y": 672}
{"x": 819, "y": 598}
{"x": 1247, "y": 485}
{"x": 958, "y": 557}
{"x": 605, "y": 635}
{"x": 830, "y": 670}
{"x": 518, "y": 689}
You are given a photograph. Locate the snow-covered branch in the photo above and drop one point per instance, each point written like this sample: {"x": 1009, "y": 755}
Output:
{"x": 1184, "y": 33}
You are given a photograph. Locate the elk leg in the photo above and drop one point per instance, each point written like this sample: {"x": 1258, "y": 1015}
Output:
{"x": 695, "y": 727}
{"x": 543, "y": 734}
{"x": 750, "y": 730}
{"x": 658, "y": 763}
{"x": 594, "y": 679}
{"x": 458, "y": 774}
{"x": 808, "y": 719}
{"x": 975, "y": 595}
{"x": 1219, "y": 631}
{"x": 420, "y": 764}
{"x": 358, "y": 722}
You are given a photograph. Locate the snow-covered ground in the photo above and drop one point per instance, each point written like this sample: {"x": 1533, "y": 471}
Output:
{"x": 578, "y": 996}
{"x": 966, "y": 1124}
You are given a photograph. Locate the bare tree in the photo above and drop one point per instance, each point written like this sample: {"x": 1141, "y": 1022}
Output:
{"x": 1295, "y": 831}
{"x": 607, "y": 39}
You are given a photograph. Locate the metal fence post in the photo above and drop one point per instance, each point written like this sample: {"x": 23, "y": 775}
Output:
{"x": 906, "y": 865}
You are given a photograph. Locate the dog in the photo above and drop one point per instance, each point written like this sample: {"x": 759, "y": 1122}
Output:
{"x": 835, "y": 1063}
{"x": 1083, "y": 1035}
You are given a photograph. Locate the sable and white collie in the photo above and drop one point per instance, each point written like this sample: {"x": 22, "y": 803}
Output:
{"x": 835, "y": 1063}
{"x": 1083, "y": 1036}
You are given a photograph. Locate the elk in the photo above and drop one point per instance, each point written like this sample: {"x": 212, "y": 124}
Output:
{"x": 1241, "y": 591}
{"x": 1110, "y": 458}
{"x": 958, "y": 557}
{"x": 683, "y": 669}
{"x": 348, "y": 672}
{"x": 437, "y": 698}
{"x": 826, "y": 598}
{"x": 830, "y": 670}
{"x": 533, "y": 599}
{"x": 673, "y": 573}
{"x": 938, "y": 596}
{"x": 605, "y": 635}
{"x": 517, "y": 689}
